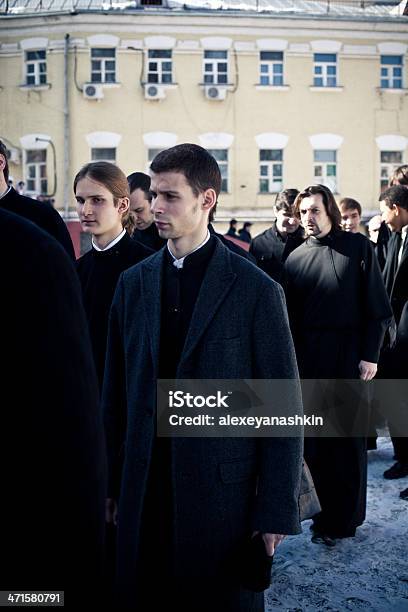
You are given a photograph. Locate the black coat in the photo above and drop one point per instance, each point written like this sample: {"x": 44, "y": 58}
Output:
{"x": 51, "y": 440}
{"x": 149, "y": 237}
{"x": 98, "y": 273}
{"x": 271, "y": 250}
{"x": 238, "y": 330}
{"x": 396, "y": 282}
{"x": 40, "y": 213}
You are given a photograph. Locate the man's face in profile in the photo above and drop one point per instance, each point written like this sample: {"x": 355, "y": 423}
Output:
{"x": 177, "y": 210}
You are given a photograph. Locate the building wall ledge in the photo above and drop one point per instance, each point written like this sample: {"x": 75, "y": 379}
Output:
{"x": 337, "y": 89}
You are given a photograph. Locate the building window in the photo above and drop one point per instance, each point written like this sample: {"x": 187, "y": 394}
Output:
{"x": 270, "y": 170}
{"x": 151, "y": 154}
{"x": 221, "y": 155}
{"x": 103, "y": 65}
{"x": 36, "y": 67}
{"x": 159, "y": 66}
{"x": 36, "y": 171}
{"x": 151, "y": 2}
{"x": 216, "y": 67}
{"x": 391, "y": 71}
{"x": 325, "y": 70}
{"x": 271, "y": 68}
{"x": 390, "y": 160}
{"x": 104, "y": 154}
{"x": 325, "y": 168}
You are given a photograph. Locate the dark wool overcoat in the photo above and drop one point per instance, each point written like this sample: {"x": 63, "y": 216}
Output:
{"x": 222, "y": 488}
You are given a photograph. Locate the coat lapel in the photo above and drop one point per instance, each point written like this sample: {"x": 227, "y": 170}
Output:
{"x": 217, "y": 283}
{"x": 151, "y": 272}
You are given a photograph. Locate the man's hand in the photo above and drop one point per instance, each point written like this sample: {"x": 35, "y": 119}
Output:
{"x": 271, "y": 541}
{"x": 111, "y": 511}
{"x": 367, "y": 370}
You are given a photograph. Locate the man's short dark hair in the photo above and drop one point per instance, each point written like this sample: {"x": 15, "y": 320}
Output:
{"x": 4, "y": 152}
{"x": 285, "y": 200}
{"x": 399, "y": 176}
{"x": 350, "y": 204}
{"x": 140, "y": 180}
{"x": 198, "y": 166}
{"x": 233, "y": 222}
{"x": 329, "y": 202}
{"x": 395, "y": 196}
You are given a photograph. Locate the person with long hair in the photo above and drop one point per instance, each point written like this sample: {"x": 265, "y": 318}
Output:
{"x": 339, "y": 312}
{"x": 102, "y": 195}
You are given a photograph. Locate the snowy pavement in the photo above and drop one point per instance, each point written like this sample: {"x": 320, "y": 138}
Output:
{"x": 368, "y": 572}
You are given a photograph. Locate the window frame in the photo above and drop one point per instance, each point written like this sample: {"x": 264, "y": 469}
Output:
{"x": 388, "y": 80}
{"x": 103, "y": 70}
{"x": 325, "y": 178}
{"x": 40, "y": 76}
{"x": 38, "y": 188}
{"x": 269, "y": 73}
{"x": 159, "y": 71}
{"x": 224, "y": 166}
{"x": 324, "y": 65}
{"x": 273, "y": 186}
{"x": 215, "y": 62}
{"x": 95, "y": 157}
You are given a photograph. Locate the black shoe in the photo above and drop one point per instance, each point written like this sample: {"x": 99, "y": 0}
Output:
{"x": 321, "y": 538}
{"x": 404, "y": 494}
{"x": 398, "y": 470}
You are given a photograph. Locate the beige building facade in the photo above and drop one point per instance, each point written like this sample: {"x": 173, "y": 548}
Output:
{"x": 281, "y": 100}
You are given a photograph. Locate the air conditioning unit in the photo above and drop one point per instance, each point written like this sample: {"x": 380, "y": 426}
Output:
{"x": 92, "y": 91}
{"x": 14, "y": 156}
{"x": 215, "y": 92}
{"x": 154, "y": 92}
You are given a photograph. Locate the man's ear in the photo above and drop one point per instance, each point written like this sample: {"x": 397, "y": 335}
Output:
{"x": 209, "y": 199}
{"x": 123, "y": 205}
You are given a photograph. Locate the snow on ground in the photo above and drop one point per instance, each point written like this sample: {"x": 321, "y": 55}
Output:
{"x": 368, "y": 572}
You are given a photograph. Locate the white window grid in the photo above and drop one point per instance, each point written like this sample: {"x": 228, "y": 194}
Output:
{"x": 215, "y": 67}
{"x": 221, "y": 155}
{"x": 270, "y": 170}
{"x": 325, "y": 168}
{"x": 160, "y": 66}
{"x": 36, "y": 171}
{"x": 391, "y": 71}
{"x": 325, "y": 70}
{"x": 36, "y": 67}
{"x": 389, "y": 161}
{"x": 271, "y": 68}
{"x": 103, "y": 65}
{"x": 107, "y": 154}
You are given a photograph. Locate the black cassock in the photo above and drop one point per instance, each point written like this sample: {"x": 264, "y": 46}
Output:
{"x": 339, "y": 311}
{"x": 99, "y": 272}
{"x": 52, "y": 451}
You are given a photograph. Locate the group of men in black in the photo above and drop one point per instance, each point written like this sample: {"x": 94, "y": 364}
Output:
{"x": 165, "y": 296}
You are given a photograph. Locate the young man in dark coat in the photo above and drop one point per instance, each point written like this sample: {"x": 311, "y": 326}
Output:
{"x": 194, "y": 310}
{"x": 273, "y": 246}
{"x": 394, "y": 208}
{"x": 102, "y": 195}
{"x": 51, "y": 440}
{"x": 339, "y": 312}
{"x": 40, "y": 213}
{"x": 139, "y": 209}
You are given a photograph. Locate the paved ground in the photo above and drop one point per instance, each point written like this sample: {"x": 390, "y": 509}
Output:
{"x": 368, "y": 572}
